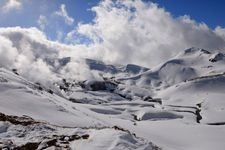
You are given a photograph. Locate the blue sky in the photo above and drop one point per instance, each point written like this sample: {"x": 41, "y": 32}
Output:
{"x": 207, "y": 11}
{"x": 210, "y": 12}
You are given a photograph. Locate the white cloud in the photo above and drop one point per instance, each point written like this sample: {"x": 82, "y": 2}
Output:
{"x": 12, "y": 5}
{"x": 143, "y": 33}
{"x": 26, "y": 50}
{"x": 42, "y": 22}
{"x": 70, "y": 36}
{"x": 220, "y": 31}
{"x": 35, "y": 57}
{"x": 8, "y": 53}
{"x": 64, "y": 14}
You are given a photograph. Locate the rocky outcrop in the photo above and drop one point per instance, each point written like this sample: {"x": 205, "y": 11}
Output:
{"x": 24, "y": 120}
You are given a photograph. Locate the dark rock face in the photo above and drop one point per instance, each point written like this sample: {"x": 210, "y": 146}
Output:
{"x": 100, "y": 66}
{"x": 217, "y": 57}
{"x": 155, "y": 100}
{"x": 51, "y": 142}
{"x": 205, "y": 51}
{"x": 50, "y": 91}
{"x": 212, "y": 60}
{"x": 28, "y": 146}
{"x": 57, "y": 141}
{"x": 147, "y": 98}
{"x": 64, "y": 141}
{"x": 15, "y": 71}
{"x": 100, "y": 86}
{"x": 74, "y": 100}
{"x": 135, "y": 69}
{"x": 38, "y": 86}
{"x": 25, "y": 121}
{"x": 66, "y": 85}
{"x": 85, "y": 136}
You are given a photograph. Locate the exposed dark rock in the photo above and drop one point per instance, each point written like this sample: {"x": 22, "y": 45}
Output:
{"x": 61, "y": 87}
{"x": 155, "y": 100}
{"x": 7, "y": 145}
{"x": 51, "y": 142}
{"x": 74, "y": 100}
{"x": 205, "y": 51}
{"x": 135, "y": 117}
{"x": 100, "y": 66}
{"x": 147, "y": 98}
{"x": 119, "y": 128}
{"x": 213, "y": 60}
{"x": 197, "y": 112}
{"x": 217, "y": 123}
{"x": 100, "y": 85}
{"x": 74, "y": 137}
{"x": 38, "y": 86}
{"x": 67, "y": 84}
{"x": 82, "y": 84}
{"x": 28, "y": 146}
{"x": 217, "y": 57}
{"x": 199, "y": 105}
{"x": 15, "y": 71}
{"x": 25, "y": 121}
{"x": 62, "y": 137}
{"x": 85, "y": 136}
{"x": 71, "y": 138}
{"x": 135, "y": 69}
{"x": 50, "y": 91}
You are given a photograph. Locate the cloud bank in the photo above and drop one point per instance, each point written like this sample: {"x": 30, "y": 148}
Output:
{"x": 122, "y": 32}
{"x": 143, "y": 33}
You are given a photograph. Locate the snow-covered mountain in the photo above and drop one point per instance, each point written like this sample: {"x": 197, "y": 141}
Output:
{"x": 177, "y": 105}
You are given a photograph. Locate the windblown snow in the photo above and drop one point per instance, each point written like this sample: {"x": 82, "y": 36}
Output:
{"x": 177, "y": 105}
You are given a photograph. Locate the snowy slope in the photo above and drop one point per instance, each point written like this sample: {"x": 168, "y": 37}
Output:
{"x": 177, "y": 105}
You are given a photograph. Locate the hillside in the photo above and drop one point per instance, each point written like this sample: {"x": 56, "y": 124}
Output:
{"x": 177, "y": 105}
